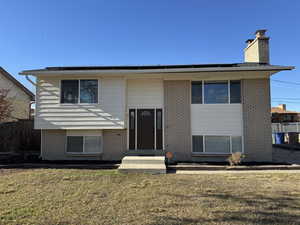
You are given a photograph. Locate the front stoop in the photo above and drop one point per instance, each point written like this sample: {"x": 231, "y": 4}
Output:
{"x": 143, "y": 164}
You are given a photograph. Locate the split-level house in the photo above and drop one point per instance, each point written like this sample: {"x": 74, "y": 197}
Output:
{"x": 196, "y": 112}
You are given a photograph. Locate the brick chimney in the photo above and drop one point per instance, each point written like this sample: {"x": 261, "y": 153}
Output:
{"x": 282, "y": 106}
{"x": 257, "y": 50}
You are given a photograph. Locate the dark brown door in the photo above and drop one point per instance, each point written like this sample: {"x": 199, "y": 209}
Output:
{"x": 145, "y": 128}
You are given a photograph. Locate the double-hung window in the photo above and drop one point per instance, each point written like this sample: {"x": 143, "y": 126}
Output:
{"x": 79, "y": 91}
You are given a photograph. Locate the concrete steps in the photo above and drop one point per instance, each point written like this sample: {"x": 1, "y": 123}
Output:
{"x": 143, "y": 164}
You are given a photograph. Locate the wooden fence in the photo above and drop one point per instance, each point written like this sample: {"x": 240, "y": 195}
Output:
{"x": 19, "y": 137}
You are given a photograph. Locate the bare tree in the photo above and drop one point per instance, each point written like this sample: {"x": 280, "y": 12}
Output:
{"x": 5, "y": 105}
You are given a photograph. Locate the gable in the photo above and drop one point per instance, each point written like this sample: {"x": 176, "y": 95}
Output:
{"x": 17, "y": 90}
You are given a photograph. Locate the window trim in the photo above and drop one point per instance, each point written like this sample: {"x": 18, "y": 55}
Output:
{"x": 78, "y": 101}
{"x": 228, "y": 94}
{"x": 216, "y": 153}
{"x": 83, "y": 143}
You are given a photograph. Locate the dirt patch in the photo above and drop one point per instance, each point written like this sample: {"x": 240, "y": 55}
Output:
{"x": 80, "y": 196}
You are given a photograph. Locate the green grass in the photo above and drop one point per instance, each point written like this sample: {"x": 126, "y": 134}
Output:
{"x": 67, "y": 196}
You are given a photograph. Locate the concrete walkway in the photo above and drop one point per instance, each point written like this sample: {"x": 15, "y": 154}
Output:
{"x": 195, "y": 172}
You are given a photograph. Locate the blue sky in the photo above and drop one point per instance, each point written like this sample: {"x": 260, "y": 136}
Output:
{"x": 35, "y": 34}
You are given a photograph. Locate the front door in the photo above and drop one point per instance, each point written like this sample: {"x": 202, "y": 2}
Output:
{"x": 145, "y": 129}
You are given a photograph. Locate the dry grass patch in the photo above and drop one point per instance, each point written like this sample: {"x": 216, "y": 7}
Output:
{"x": 65, "y": 196}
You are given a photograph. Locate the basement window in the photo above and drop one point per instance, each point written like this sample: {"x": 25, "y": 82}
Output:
{"x": 197, "y": 143}
{"x": 84, "y": 144}
{"x": 216, "y": 144}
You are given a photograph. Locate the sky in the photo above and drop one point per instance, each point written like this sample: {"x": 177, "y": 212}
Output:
{"x": 39, "y": 33}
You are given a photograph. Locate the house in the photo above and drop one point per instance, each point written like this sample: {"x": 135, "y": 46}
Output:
{"x": 281, "y": 115}
{"x": 287, "y": 122}
{"x": 19, "y": 96}
{"x": 197, "y": 112}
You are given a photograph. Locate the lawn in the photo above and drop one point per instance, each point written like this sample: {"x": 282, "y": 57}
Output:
{"x": 69, "y": 196}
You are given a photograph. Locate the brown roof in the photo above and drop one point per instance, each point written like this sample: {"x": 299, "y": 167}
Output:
{"x": 16, "y": 82}
{"x": 280, "y": 110}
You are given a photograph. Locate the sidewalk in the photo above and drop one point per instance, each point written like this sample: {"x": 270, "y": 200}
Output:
{"x": 195, "y": 172}
{"x": 207, "y": 167}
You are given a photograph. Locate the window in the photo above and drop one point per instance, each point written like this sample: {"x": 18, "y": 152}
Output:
{"x": 196, "y": 92}
{"x": 70, "y": 91}
{"x": 88, "y": 91}
{"x": 159, "y": 139}
{"x": 215, "y": 92}
{"x": 158, "y": 119}
{"x": 84, "y": 144}
{"x": 92, "y": 144}
{"x": 74, "y": 144}
{"x": 235, "y": 91}
{"x": 132, "y": 128}
{"x": 217, "y": 144}
{"x": 236, "y": 144}
{"x": 197, "y": 143}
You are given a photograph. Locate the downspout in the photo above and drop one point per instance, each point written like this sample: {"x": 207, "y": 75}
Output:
{"x": 27, "y": 78}
{"x": 32, "y": 102}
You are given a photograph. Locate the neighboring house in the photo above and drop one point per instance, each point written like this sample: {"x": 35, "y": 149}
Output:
{"x": 285, "y": 121}
{"x": 281, "y": 115}
{"x": 19, "y": 95}
{"x": 198, "y": 112}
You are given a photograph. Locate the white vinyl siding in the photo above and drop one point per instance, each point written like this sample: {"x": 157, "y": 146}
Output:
{"x": 109, "y": 113}
{"x": 142, "y": 93}
{"x": 216, "y": 119}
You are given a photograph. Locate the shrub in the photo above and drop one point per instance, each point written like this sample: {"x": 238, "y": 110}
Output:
{"x": 235, "y": 158}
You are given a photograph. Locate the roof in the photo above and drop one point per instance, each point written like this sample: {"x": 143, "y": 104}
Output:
{"x": 160, "y": 68}
{"x": 17, "y": 83}
{"x": 280, "y": 110}
{"x": 143, "y": 67}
